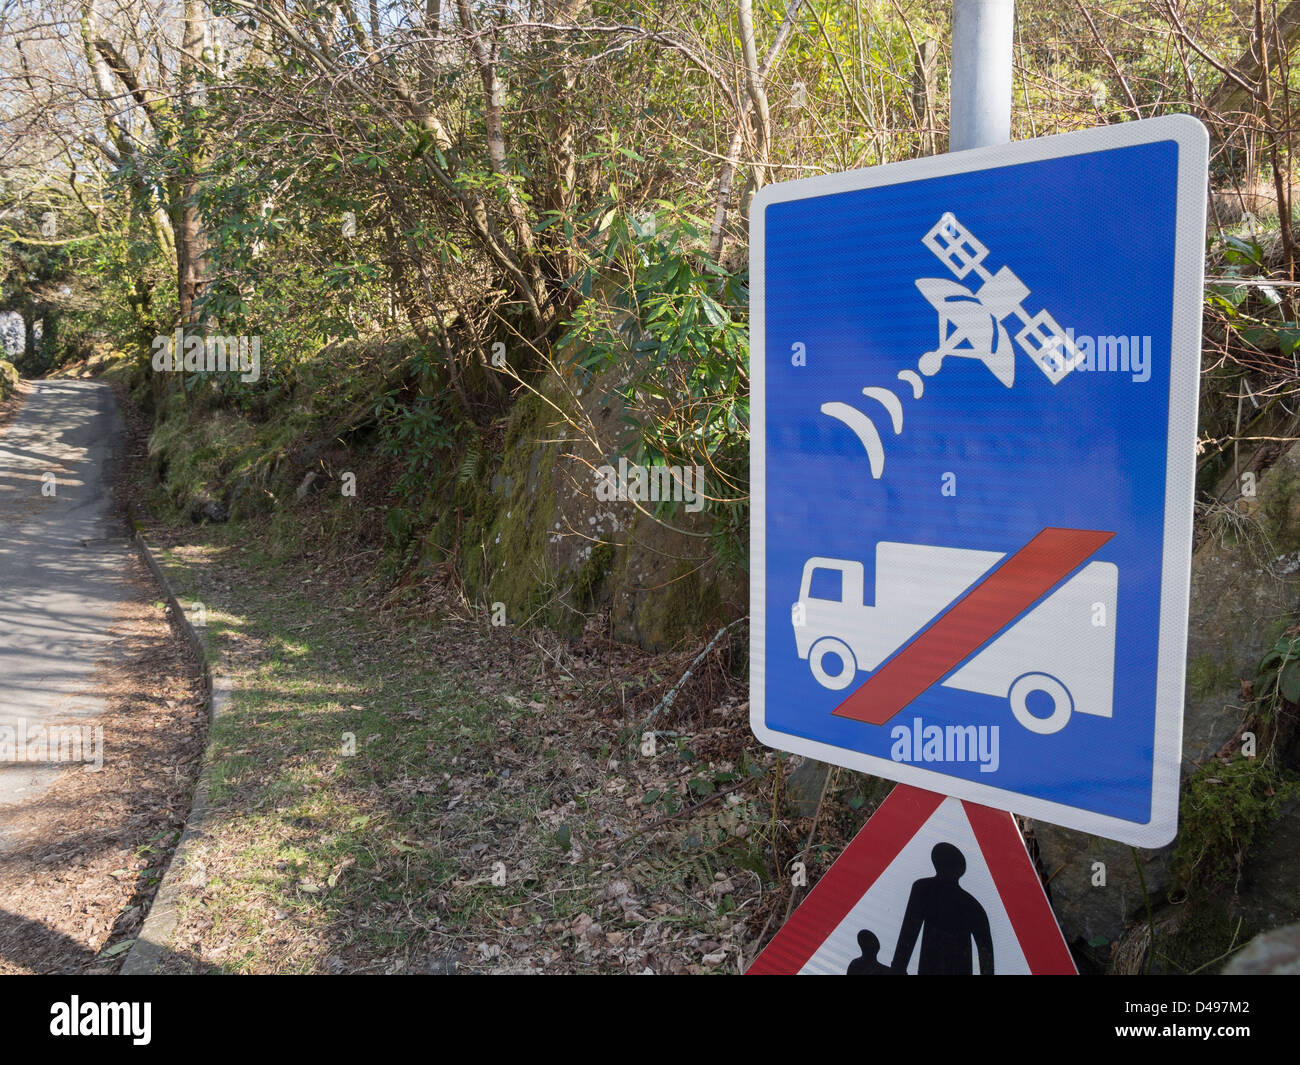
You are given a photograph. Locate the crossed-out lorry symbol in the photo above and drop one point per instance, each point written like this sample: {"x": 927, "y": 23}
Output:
{"x": 1069, "y": 634}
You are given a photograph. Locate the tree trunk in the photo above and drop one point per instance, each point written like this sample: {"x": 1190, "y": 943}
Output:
{"x": 485, "y": 60}
{"x": 758, "y": 102}
{"x": 925, "y": 88}
{"x": 190, "y": 243}
{"x": 722, "y": 205}
{"x": 29, "y": 339}
{"x": 1241, "y": 83}
{"x": 560, "y": 193}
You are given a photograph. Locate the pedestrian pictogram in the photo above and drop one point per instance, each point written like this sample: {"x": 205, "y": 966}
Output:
{"x": 975, "y": 382}
{"x": 931, "y": 886}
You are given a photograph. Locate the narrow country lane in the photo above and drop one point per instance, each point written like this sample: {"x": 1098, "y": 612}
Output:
{"x": 63, "y": 565}
{"x": 102, "y": 718}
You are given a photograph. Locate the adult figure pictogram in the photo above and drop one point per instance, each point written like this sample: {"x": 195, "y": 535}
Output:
{"x": 947, "y": 917}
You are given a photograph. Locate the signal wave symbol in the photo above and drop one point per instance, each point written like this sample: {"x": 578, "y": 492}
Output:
{"x": 970, "y": 327}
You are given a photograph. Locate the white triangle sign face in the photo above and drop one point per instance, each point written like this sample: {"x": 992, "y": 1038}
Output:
{"x": 931, "y": 885}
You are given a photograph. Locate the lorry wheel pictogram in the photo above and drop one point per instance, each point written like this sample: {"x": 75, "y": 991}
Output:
{"x": 829, "y": 645}
{"x": 1062, "y": 705}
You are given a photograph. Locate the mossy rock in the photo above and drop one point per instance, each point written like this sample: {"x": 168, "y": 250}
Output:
{"x": 8, "y": 380}
{"x": 1206, "y": 675}
{"x": 503, "y": 540}
{"x": 1279, "y": 507}
{"x": 535, "y": 536}
{"x": 684, "y": 607}
{"x": 1199, "y": 939}
{"x": 1225, "y": 806}
{"x": 1241, "y": 597}
{"x": 593, "y": 574}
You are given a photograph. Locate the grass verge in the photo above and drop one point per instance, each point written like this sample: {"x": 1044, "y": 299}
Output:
{"x": 407, "y": 788}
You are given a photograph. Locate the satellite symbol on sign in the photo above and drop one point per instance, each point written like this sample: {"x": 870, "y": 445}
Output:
{"x": 971, "y": 326}
{"x": 970, "y": 322}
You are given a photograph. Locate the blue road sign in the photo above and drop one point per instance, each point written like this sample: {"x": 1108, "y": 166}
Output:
{"x": 975, "y": 382}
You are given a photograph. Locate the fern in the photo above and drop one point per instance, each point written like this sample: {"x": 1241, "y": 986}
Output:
{"x": 469, "y": 465}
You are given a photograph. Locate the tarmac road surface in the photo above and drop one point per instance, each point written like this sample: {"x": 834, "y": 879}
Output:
{"x": 63, "y": 570}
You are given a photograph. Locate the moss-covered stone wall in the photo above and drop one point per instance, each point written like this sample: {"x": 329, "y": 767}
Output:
{"x": 535, "y": 538}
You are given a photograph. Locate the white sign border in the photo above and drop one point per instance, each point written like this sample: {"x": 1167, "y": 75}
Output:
{"x": 1180, "y": 474}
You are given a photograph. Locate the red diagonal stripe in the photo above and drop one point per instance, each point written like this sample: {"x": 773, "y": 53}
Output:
{"x": 901, "y": 816}
{"x": 1021, "y": 892}
{"x": 1006, "y": 593}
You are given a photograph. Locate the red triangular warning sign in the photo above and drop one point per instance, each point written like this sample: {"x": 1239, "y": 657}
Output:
{"x": 931, "y": 885}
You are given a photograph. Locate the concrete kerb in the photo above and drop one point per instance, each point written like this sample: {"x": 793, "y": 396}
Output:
{"x": 154, "y": 939}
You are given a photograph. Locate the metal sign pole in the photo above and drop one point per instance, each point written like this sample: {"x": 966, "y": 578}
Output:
{"x": 981, "y": 73}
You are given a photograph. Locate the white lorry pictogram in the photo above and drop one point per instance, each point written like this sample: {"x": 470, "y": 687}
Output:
{"x": 1069, "y": 636}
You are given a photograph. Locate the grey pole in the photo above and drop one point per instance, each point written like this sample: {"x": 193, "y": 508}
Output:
{"x": 981, "y": 73}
